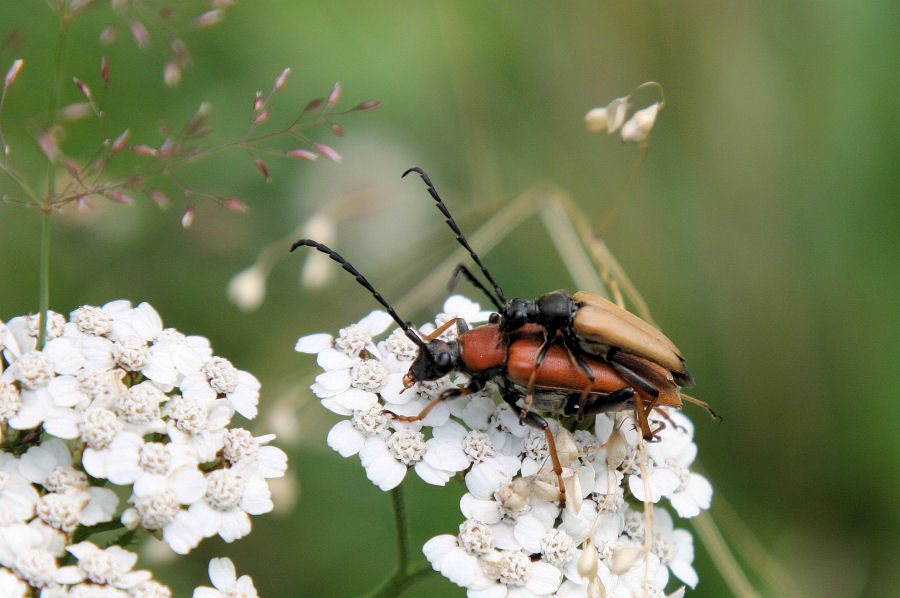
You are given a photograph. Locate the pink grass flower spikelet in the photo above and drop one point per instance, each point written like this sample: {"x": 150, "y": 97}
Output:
{"x": 328, "y": 151}
{"x": 13, "y": 72}
{"x": 280, "y": 80}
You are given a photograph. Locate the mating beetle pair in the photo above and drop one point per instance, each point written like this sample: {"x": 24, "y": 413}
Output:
{"x": 578, "y": 355}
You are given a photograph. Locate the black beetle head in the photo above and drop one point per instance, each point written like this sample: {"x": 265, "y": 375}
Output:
{"x": 436, "y": 359}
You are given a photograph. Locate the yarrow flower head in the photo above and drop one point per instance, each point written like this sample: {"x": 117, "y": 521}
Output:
{"x": 114, "y": 398}
{"x": 515, "y": 539}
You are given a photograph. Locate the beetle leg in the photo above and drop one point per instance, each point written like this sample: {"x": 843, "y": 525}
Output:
{"x": 641, "y": 415}
{"x": 441, "y": 329}
{"x": 534, "y": 420}
{"x": 714, "y": 415}
{"x": 629, "y": 374}
{"x": 575, "y": 356}
{"x": 467, "y": 274}
{"x": 450, "y": 393}
{"x": 611, "y": 402}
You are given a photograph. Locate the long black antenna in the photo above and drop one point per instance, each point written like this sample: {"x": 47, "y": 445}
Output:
{"x": 500, "y": 299}
{"x": 361, "y": 280}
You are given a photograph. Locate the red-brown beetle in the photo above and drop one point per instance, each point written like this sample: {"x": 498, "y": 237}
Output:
{"x": 487, "y": 353}
{"x": 590, "y": 326}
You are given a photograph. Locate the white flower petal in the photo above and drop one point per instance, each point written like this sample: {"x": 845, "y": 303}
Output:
{"x": 381, "y": 468}
{"x": 101, "y": 507}
{"x": 332, "y": 359}
{"x": 376, "y": 322}
{"x": 345, "y": 439}
{"x": 485, "y": 511}
{"x": 313, "y": 343}
{"x": 222, "y": 573}
{"x": 544, "y": 579}
{"x": 528, "y": 532}
{"x": 432, "y": 475}
{"x": 188, "y": 484}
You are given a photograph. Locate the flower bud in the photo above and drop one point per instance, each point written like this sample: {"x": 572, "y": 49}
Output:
{"x": 624, "y": 559}
{"x": 334, "y": 96}
{"x": 159, "y": 198}
{"x": 615, "y": 113}
{"x": 140, "y": 34}
{"x": 566, "y": 447}
{"x": 247, "y": 288}
{"x": 84, "y": 88}
{"x": 595, "y": 589}
{"x": 144, "y": 150}
{"x": 76, "y": 111}
{"x": 120, "y": 142}
{"x": 131, "y": 519}
{"x": 303, "y": 154}
{"x": 546, "y": 490}
{"x": 574, "y": 495}
{"x": 262, "y": 168}
{"x": 235, "y": 205}
{"x": 616, "y": 449}
{"x": 588, "y": 564}
{"x": 313, "y": 105}
{"x": 109, "y": 35}
{"x": 47, "y": 143}
{"x": 368, "y": 105}
{"x": 187, "y": 219}
{"x": 172, "y": 73}
{"x": 595, "y": 120}
{"x": 208, "y": 19}
{"x": 119, "y": 197}
{"x": 640, "y": 124}
{"x": 328, "y": 152}
{"x": 281, "y": 79}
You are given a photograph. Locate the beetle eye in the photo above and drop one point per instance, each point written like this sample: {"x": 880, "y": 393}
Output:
{"x": 494, "y": 318}
{"x": 444, "y": 361}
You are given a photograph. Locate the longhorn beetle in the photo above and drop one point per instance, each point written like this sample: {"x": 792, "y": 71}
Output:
{"x": 487, "y": 353}
{"x": 590, "y": 326}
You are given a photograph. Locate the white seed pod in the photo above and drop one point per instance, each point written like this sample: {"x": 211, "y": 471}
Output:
{"x": 624, "y": 559}
{"x": 588, "y": 565}
{"x": 640, "y": 124}
{"x": 616, "y": 449}
{"x": 595, "y": 120}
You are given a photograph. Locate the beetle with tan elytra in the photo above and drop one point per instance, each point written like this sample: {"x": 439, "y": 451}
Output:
{"x": 487, "y": 354}
{"x": 590, "y": 326}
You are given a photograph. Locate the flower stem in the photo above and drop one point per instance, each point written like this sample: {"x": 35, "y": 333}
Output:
{"x": 405, "y": 575}
{"x": 402, "y": 523}
{"x": 44, "y": 268}
{"x": 400, "y": 581}
{"x": 44, "y": 274}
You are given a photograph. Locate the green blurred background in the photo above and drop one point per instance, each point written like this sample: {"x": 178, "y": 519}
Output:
{"x": 763, "y": 231}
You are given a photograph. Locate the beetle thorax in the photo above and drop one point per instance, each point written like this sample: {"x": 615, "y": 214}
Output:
{"x": 555, "y": 310}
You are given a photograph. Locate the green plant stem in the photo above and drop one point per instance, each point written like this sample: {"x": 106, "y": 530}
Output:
{"x": 44, "y": 267}
{"x": 44, "y": 274}
{"x": 405, "y": 575}
{"x": 402, "y": 522}
{"x": 400, "y": 581}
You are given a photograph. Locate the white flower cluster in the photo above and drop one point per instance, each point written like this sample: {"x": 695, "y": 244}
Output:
{"x": 515, "y": 540}
{"x": 114, "y": 398}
